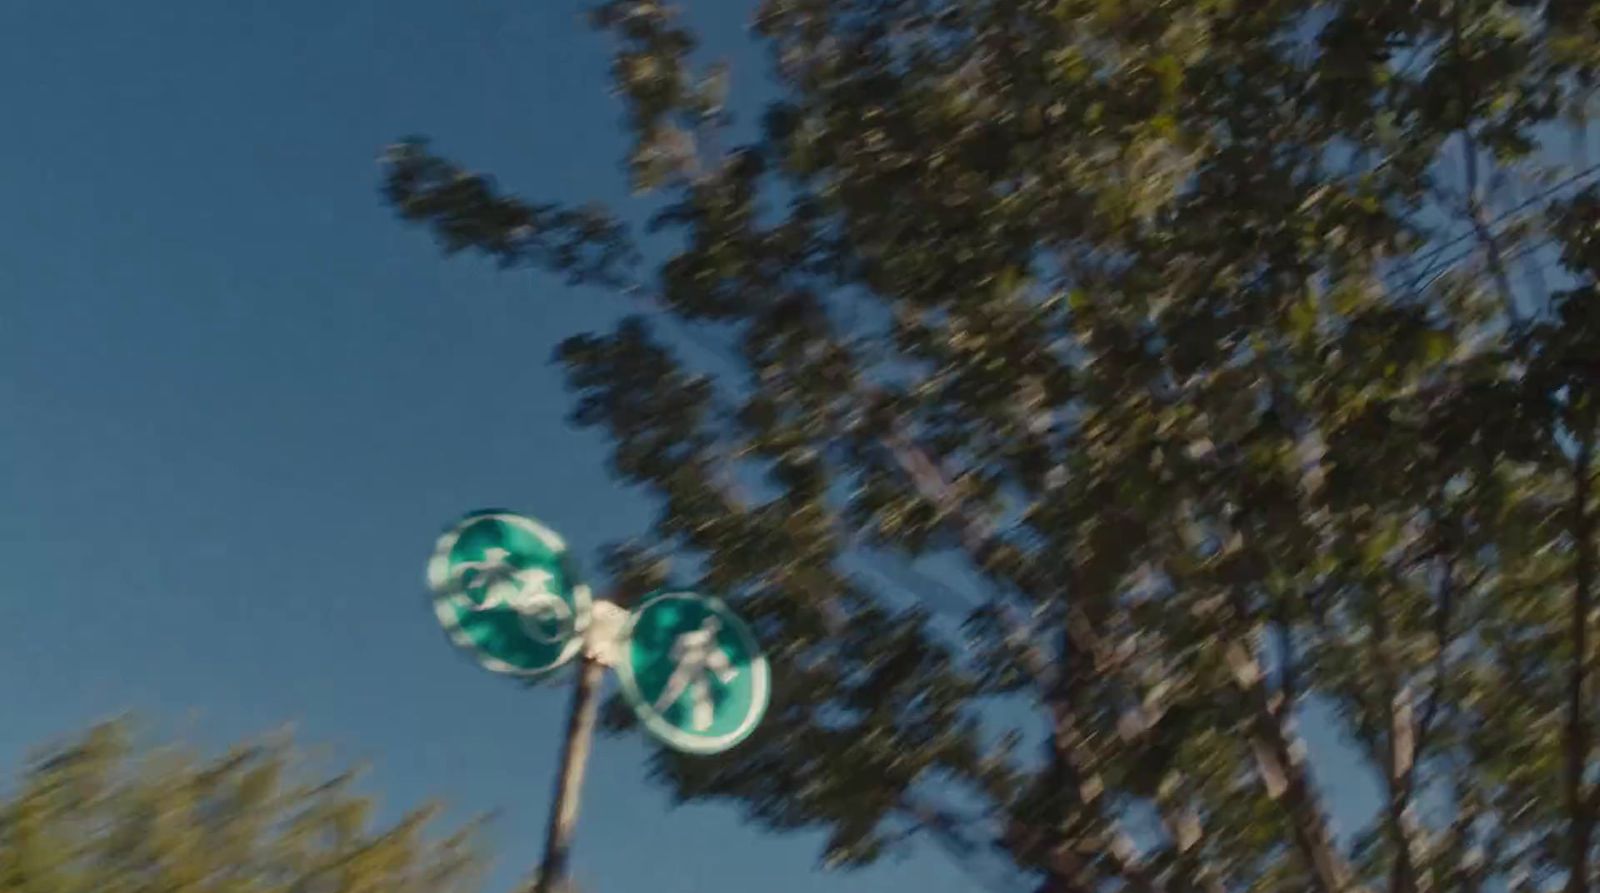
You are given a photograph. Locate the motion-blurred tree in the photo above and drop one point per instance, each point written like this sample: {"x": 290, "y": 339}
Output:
{"x": 96, "y": 816}
{"x": 1232, "y": 357}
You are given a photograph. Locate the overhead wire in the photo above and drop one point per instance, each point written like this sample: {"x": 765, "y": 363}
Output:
{"x": 1428, "y": 258}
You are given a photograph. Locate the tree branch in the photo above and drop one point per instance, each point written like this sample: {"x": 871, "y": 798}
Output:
{"x": 1188, "y": 836}
{"x": 1481, "y": 227}
{"x": 1281, "y": 766}
{"x": 943, "y": 828}
{"x": 1399, "y": 757}
{"x": 1070, "y": 751}
{"x": 1580, "y": 801}
{"x": 1442, "y": 618}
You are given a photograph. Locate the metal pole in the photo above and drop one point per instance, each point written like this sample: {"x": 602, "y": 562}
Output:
{"x": 569, "y": 782}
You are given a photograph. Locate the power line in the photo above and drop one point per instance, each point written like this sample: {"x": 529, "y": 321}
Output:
{"x": 1432, "y": 271}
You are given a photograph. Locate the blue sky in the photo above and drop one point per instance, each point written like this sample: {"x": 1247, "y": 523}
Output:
{"x": 238, "y": 400}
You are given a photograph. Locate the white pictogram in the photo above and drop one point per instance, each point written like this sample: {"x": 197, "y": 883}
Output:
{"x": 698, "y": 657}
{"x": 494, "y": 583}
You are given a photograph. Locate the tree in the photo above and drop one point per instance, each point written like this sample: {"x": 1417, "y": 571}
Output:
{"x": 1226, "y": 359}
{"x": 96, "y": 816}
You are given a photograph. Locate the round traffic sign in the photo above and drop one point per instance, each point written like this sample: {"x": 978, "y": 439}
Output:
{"x": 505, "y": 589}
{"x": 693, "y": 672}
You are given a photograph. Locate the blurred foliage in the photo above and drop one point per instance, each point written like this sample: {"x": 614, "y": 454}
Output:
{"x": 98, "y": 816}
{"x": 1227, "y": 358}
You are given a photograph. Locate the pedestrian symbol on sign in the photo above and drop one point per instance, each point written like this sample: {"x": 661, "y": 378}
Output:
{"x": 697, "y": 656}
{"x": 693, "y": 672}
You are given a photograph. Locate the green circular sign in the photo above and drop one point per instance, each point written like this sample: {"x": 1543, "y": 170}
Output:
{"x": 505, "y": 589}
{"x": 693, "y": 672}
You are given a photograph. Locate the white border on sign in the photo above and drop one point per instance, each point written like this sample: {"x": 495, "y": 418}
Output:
{"x": 657, "y": 724}
{"x": 445, "y": 600}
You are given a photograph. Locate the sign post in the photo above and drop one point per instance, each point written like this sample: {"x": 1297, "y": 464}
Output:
{"x": 598, "y": 651}
{"x": 506, "y": 591}
{"x": 569, "y": 778}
